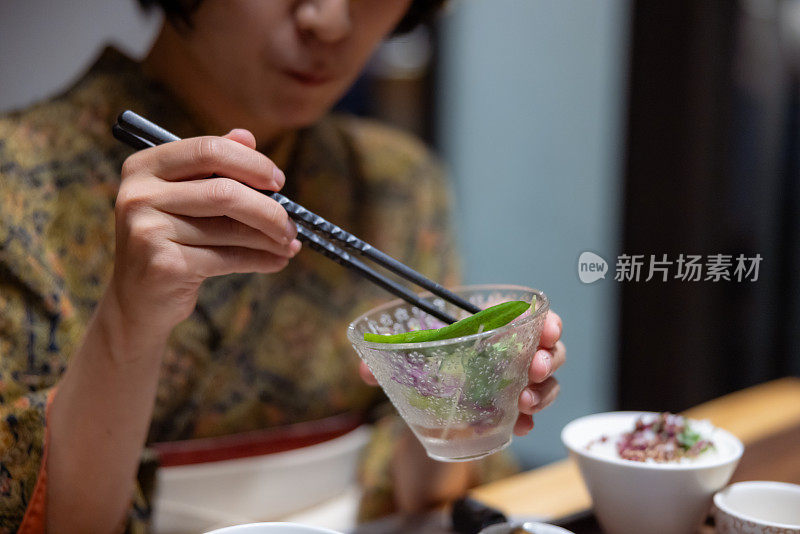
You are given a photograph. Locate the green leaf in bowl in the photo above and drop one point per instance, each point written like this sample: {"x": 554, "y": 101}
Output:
{"x": 484, "y": 320}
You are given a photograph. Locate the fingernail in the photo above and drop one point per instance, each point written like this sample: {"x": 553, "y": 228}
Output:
{"x": 547, "y": 361}
{"x": 294, "y": 247}
{"x": 291, "y": 231}
{"x": 279, "y": 177}
{"x": 527, "y": 398}
{"x": 534, "y": 398}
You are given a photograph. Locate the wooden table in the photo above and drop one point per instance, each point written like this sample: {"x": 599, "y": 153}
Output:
{"x": 766, "y": 418}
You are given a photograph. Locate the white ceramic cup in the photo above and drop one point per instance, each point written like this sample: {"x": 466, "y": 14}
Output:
{"x": 637, "y": 497}
{"x": 758, "y": 508}
{"x": 531, "y": 527}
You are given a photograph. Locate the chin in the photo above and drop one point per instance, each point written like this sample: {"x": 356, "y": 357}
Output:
{"x": 298, "y": 114}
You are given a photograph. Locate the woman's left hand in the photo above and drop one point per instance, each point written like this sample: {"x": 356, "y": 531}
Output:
{"x": 542, "y": 387}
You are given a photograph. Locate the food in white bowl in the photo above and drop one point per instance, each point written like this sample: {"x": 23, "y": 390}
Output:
{"x": 660, "y": 438}
{"x": 758, "y": 508}
{"x": 634, "y": 496}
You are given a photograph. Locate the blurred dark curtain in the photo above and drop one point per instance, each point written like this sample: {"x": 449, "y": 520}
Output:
{"x": 712, "y": 167}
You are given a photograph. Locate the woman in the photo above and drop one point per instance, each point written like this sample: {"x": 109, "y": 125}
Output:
{"x": 108, "y": 347}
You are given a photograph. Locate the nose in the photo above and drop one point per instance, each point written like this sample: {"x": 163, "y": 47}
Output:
{"x": 327, "y": 20}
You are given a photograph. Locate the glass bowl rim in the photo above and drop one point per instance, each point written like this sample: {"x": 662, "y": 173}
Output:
{"x": 543, "y": 305}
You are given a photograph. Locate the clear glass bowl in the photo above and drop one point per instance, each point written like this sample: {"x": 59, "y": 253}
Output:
{"x": 459, "y": 396}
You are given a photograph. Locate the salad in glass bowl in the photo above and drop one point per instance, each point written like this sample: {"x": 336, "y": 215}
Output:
{"x": 457, "y": 394}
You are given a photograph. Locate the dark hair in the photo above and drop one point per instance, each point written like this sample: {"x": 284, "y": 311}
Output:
{"x": 180, "y": 11}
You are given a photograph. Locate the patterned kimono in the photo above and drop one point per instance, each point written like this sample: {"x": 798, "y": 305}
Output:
{"x": 259, "y": 350}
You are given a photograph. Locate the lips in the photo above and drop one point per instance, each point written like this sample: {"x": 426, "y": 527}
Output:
{"x": 310, "y": 78}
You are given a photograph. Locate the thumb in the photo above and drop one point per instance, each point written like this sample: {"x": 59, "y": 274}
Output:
{"x": 240, "y": 135}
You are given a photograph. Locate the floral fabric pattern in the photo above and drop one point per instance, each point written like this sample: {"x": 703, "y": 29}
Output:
{"x": 259, "y": 350}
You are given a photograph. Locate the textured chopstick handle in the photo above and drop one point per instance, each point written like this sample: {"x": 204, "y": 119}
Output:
{"x": 331, "y": 251}
{"x": 332, "y": 231}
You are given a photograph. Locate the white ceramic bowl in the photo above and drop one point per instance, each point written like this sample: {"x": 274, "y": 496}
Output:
{"x": 531, "y": 527}
{"x": 758, "y": 508}
{"x": 272, "y": 528}
{"x": 634, "y": 497}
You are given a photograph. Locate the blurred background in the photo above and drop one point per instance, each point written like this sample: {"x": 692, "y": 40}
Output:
{"x": 610, "y": 126}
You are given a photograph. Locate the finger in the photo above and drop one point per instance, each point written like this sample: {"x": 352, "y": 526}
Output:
{"x": 559, "y": 354}
{"x": 199, "y": 157}
{"x": 546, "y": 362}
{"x": 523, "y": 425}
{"x": 242, "y": 136}
{"x": 548, "y": 398}
{"x": 224, "y": 231}
{"x": 537, "y": 397}
{"x": 541, "y": 366}
{"x": 216, "y": 197}
{"x": 366, "y": 374}
{"x": 551, "y": 332}
{"x": 217, "y": 261}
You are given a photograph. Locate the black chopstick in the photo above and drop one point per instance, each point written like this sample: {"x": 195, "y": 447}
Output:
{"x": 343, "y": 258}
{"x": 135, "y": 131}
{"x": 334, "y": 232}
{"x": 132, "y": 140}
{"x": 143, "y": 128}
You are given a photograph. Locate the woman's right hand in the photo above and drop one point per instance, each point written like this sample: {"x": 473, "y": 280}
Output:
{"x": 176, "y": 226}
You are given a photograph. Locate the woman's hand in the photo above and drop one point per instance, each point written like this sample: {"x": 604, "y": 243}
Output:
{"x": 542, "y": 388}
{"x": 176, "y": 226}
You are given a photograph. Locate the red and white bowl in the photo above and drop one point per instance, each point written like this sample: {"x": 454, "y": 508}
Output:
{"x": 266, "y": 475}
{"x": 272, "y": 528}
